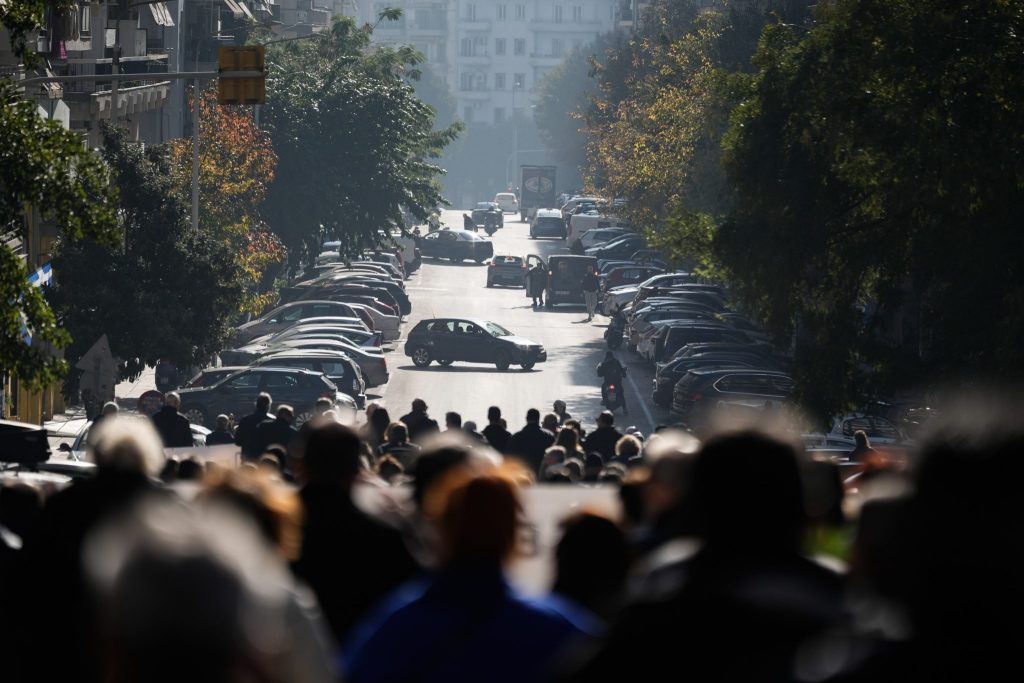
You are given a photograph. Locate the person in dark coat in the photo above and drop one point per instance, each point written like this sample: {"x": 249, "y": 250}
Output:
{"x": 536, "y": 281}
{"x": 222, "y": 434}
{"x": 279, "y": 431}
{"x": 418, "y": 422}
{"x": 495, "y": 432}
{"x": 531, "y": 441}
{"x": 603, "y": 439}
{"x": 245, "y": 433}
{"x": 172, "y": 427}
{"x": 350, "y": 559}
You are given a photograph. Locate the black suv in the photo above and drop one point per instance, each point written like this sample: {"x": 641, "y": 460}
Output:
{"x": 237, "y": 394}
{"x": 565, "y": 277}
{"x": 337, "y": 366}
{"x": 447, "y": 340}
{"x": 701, "y": 392}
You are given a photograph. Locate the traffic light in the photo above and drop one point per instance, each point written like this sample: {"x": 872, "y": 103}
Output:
{"x": 248, "y": 89}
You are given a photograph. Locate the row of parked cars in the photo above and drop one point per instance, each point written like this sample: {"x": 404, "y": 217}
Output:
{"x": 325, "y": 339}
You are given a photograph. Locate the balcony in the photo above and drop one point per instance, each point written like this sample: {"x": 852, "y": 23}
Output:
{"x": 478, "y": 95}
{"x": 568, "y": 26}
{"x": 545, "y": 59}
{"x": 473, "y": 60}
{"x": 415, "y": 31}
{"x": 474, "y": 24}
{"x": 136, "y": 99}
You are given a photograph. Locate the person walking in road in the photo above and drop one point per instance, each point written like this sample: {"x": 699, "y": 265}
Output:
{"x": 278, "y": 432}
{"x": 559, "y": 408}
{"x": 603, "y": 439}
{"x": 531, "y": 441}
{"x": 172, "y": 427}
{"x": 590, "y": 287}
{"x": 418, "y": 422}
{"x": 495, "y": 431}
{"x": 222, "y": 434}
{"x": 536, "y": 281}
{"x": 245, "y": 434}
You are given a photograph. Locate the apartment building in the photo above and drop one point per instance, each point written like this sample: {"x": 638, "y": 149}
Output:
{"x": 492, "y": 53}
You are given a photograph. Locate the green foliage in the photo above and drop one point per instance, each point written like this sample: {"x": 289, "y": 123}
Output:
{"x": 165, "y": 290}
{"x": 353, "y": 140}
{"x": 22, "y": 18}
{"x": 47, "y": 169}
{"x": 878, "y": 184}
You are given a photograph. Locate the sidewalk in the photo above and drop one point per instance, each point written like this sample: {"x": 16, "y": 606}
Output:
{"x": 127, "y": 393}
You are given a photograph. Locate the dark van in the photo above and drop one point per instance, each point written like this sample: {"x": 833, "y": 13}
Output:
{"x": 565, "y": 277}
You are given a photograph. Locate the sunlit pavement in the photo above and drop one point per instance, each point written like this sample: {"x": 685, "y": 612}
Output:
{"x": 574, "y": 347}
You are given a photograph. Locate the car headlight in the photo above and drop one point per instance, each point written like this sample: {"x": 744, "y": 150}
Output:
{"x": 523, "y": 347}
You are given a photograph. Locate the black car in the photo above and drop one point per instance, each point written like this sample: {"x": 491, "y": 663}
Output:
{"x": 670, "y": 373}
{"x": 565, "y": 277}
{"x": 484, "y": 210}
{"x": 620, "y": 248}
{"x": 237, "y": 394}
{"x": 506, "y": 270}
{"x": 701, "y": 392}
{"x": 447, "y": 340}
{"x": 669, "y": 338}
{"x": 335, "y": 365}
{"x": 457, "y": 245}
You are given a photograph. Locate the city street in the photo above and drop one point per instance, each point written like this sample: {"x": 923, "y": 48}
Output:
{"x": 574, "y": 346}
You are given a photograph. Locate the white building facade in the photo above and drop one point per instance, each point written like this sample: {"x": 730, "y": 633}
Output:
{"x": 493, "y": 53}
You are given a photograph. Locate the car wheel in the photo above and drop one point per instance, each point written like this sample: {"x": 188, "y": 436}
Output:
{"x": 445, "y": 361}
{"x": 502, "y": 360}
{"x": 303, "y": 417}
{"x": 528, "y": 365}
{"x": 490, "y": 284}
{"x": 532, "y": 236}
{"x": 194, "y": 414}
{"x": 421, "y": 357}
{"x": 549, "y": 303}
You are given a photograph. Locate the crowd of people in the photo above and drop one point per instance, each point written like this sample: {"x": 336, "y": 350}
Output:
{"x": 739, "y": 558}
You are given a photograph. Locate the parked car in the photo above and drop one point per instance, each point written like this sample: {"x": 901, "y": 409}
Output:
{"x": 507, "y": 202}
{"x": 336, "y": 365}
{"x": 640, "y": 323}
{"x": 619, "y": 248}
{"x": 237, "y": 394}
{"x": 287, "y": 315}
{"x": 372, "y": 362}
{"x": 548, "y": 223}
{"x": 879, "y": 430}
{"x": 669, "y": 373}
{"x": 506, "y": 270}
{"x": 570, "y": 206}
{"x": 565, "y": 277}
{"x": 627, "y": 275}
{"x": 387, "y": 325}
{"x": 211, "y": 376}
{"x": 615, "y": 298}
{"x": 582, "y": 223}
{"x": 669, "y": 337}
{"x": 598, "y": 236}
{"x": 698, "y": 393}
{"x": 457, "y": 245}
{"x": 358, "y": 336}
{"x": 447, "y": 340}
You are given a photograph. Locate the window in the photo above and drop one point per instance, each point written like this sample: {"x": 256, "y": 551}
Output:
{"x": 577, "y": 13}
{"x": 519, "y": 47}
{"x": 280, "y": 380}
{"x": 86, "y": 27}
{"x": 499, "y": 114}
{"x": 520, "y": 12}
{"x": 557, "y": 47}
{"x": 499, "y": 46}
{"x": 466, "y": 47}
{"x": 248, "y": 380}
{"x": 480, "y": 45}
{"x": 499, "y": 81}
{"x": 502, "y": 12}
{"x": 519, "y": 82}
{"x": 470, "y": 11}
{"x": 558, "y": 14}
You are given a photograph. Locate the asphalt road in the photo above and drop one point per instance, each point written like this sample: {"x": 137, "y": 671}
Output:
{"x": 574, "y": 347}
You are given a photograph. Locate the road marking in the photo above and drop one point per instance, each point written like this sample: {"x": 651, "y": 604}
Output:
{"x": 643, "y": 404}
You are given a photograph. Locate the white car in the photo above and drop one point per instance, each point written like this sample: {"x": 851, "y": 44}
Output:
{"x": 616, "y": 298}
{"x": 387, "y": 325}
{"x": 507, "y": 202}
{"x": 582, "y": 223}
{"x": 285, "y": 316}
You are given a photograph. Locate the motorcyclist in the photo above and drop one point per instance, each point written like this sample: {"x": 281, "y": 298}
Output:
{"x": 612, "y": 371}
{"x": 467, "y": 222}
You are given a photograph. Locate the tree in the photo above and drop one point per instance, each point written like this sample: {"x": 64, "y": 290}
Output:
{"x": 165, "y": 290}
{"x": 236, "y": 167}
{"x": 876, "y": 166}
{"x": 46, "y": 168}
{"x": 353, "y": 141}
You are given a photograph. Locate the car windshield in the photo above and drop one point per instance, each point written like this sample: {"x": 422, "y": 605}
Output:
{"x": 508, "y": 261}
{"x": 497, "y": 330}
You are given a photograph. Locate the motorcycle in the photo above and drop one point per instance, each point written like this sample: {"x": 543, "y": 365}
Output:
{"x": 616, "y": 330}
{"x": 612, "y": 397}
{"x": 490, "y": 224}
